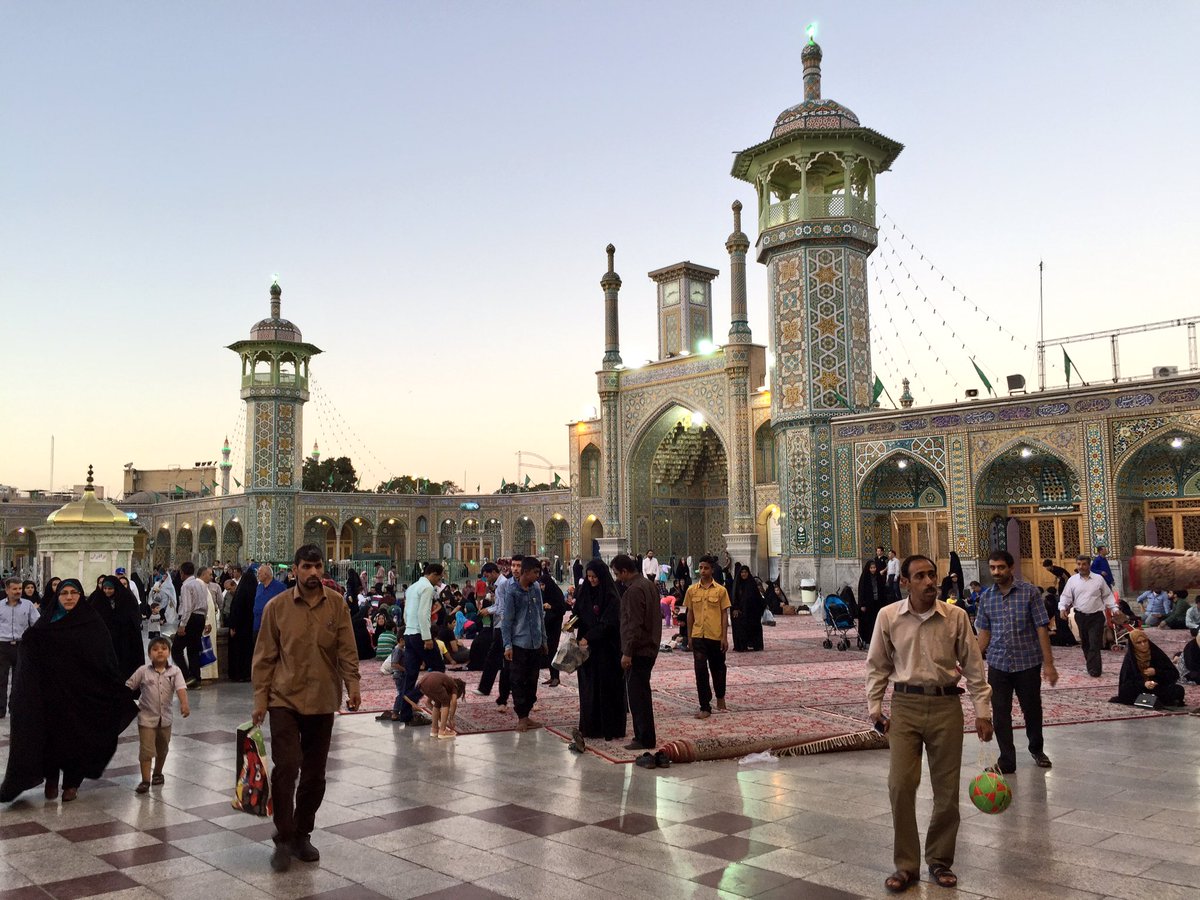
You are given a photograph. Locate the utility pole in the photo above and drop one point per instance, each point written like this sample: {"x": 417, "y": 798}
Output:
{"x": 1041, "y": 354}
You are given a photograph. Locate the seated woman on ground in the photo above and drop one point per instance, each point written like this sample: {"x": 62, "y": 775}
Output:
{"x": 1188, "y": 662}
{"x": 1147, "y": 669}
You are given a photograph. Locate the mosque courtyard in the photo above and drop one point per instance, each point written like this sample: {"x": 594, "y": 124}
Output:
{"x": 501, "y": 814}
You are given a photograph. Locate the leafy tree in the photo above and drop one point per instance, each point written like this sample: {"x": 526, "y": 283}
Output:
{"x": 513, "y": 488}
{"x": 336, "y": 475}
{"x": 406, "y": 484}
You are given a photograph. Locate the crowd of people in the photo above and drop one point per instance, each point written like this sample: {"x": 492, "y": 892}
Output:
{"x": 87, "y": 666}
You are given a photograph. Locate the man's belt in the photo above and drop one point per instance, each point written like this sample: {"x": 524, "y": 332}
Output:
{"x": 928, "y": 690}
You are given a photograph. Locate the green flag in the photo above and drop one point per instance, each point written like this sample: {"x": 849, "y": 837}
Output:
{"x": 503, "y": 484}
{"x": 203, "y": 490}
{"x": 842, "y": 400}
{"x": 557, "y": 480}
{"x": 331, "y": 479}
{"x": 987, "y": 384}
{"x": 238, "y": 483}
{"x": 1068, "y": 365}
{"x": 877, "y": 390}
{"x": 215, "y": 485}
{"x": 527, "y": 480}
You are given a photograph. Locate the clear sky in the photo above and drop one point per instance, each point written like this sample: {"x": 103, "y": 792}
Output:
{"x": 435, "y": 183}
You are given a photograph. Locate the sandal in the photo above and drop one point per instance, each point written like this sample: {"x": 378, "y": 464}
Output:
{"x": 943, "y": 876}
{"x": 388, "y": 716}
{"x": 900, "y": 881}
{"x": 156, "y": 779}
{"x": 142, "y": 788}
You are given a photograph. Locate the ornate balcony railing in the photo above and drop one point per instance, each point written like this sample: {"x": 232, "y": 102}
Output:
{"x": 820, "y": 206}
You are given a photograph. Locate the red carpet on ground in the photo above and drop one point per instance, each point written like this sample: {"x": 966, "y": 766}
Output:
{"x": 793, "y": 692}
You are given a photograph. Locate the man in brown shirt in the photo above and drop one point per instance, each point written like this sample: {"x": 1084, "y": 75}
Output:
{"x": 919, "y": 644}
{"x": 641, "y": 634}
{"x": 305, "y": 652}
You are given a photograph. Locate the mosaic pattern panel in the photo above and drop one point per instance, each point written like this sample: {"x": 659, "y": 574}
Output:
{"x": 1097, "y": 484}
{"x": 847, "y": 547}
{"x": 960, "y": 494}
{"x": 825, "y": 274}
{"x": 930, "y": 449}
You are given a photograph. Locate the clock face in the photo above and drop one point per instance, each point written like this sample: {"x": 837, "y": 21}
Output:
{"x": 671, "y": 293}
{"x": 698, "y": 294}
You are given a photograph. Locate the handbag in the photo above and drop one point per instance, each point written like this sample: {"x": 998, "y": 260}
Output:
{"x": 252, "y": 787}
{"x": 208, "y": 653}
{"x": 569, "y": 656}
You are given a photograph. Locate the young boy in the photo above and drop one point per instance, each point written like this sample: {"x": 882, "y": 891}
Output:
{"x": 156, "y": 682}
{"x": 155, "y": 622}
{"x": 444, "y": 693}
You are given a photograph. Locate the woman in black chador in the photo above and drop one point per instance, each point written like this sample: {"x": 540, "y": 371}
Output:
{"x": 555, "y": 606}
{"x": 69, "y": 702}
{"x": 120, "y": 612}
{"x": 872, "y": 597}
{"x": 748, "y": 604}
{"x": 601, "y": 685}
{"x": 241, "y": 625}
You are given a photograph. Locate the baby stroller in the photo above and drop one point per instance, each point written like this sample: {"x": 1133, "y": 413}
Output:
{"x": 839, "y": 620}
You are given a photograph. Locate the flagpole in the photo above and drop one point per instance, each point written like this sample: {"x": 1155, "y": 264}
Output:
{"x": 1041, "y": 354}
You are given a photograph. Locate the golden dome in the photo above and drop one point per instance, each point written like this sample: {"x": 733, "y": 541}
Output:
{"x": 88, "y": 510}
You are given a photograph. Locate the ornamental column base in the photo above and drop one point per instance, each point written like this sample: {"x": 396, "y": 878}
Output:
{"x": 743, "y": 549}
{"x": 611, "y": 547}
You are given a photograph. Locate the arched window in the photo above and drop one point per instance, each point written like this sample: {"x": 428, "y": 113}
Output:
{"x": 589, "y": 471}
{"x": 422, "y": 525}
{"x": 764, "y": 455}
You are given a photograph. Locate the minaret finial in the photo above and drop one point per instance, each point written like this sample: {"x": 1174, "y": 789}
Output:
{"x": 276, "y": 293}
{"x": 89, "y": 486}
{"x": 810, "y": 56}
{"x": 612, "y": 253}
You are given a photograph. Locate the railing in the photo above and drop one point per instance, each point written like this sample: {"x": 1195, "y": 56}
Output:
{"x": 820, "y": 206}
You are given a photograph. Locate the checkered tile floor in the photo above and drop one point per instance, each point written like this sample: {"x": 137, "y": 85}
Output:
{"x": 508, "y": 815}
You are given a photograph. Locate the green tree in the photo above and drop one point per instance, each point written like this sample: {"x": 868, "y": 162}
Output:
{"x": 512, "y": 488}
{"x": 336, "y": 475}
{"x": 407, "y": 484}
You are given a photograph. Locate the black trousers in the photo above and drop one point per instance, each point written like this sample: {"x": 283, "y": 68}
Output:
{"x": 193, "y": 633}
{"x": 707, "y": 655}
{"x": 1027, "y": 685}
{"x": 8, "y": 661}
{"x": 641, "y": 706}
{"x": 495, "y": 664}
{"x": 299, "y": 751}
{"x": 415, "y": 654}
{"x": 523, "y": 672}
{"x": 1091, "y": 639}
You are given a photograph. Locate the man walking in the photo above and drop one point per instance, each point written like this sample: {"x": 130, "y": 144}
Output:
{"x": 419, "y": 646}
{"x": 305, "y": 653}
{"x": 1012, "y": 622}
{"x": 523, "y": 633}
{"x": 641, "y": 635}
{"x": 707, "y": 605}
{"x": 1089, "y": 594}
{"x": 893, "y": 575}
{"x": 920, "y": 644}
{"x": 16, "y": 615}
{"x": 193, "y": 616}
{"x": 268, "y": 586}
{"x": 650, "y": 567}
{"x": 494, "y": 663}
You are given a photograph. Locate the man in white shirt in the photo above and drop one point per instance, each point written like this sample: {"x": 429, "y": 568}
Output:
{"x": 650, "y": 567}
{"x": 1089, "y": 594}
{"x": 893, "y": 575}
{"x": 193, "y": 617}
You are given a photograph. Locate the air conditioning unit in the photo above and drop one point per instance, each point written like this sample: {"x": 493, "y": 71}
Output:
{"x": 1165, "y": 371}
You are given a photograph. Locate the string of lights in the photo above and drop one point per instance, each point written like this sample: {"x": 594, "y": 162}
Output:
{"x": 323, "y": 401}
{"x": 882, "y": 296}
{"x": 883, "y": 260}
{"x": 950, "y": 284}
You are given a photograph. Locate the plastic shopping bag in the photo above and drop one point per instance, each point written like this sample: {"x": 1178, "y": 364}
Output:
{"x": 570, "y": 656}
{"x": 208, "y": 653}
{"x": 252, "y": 790}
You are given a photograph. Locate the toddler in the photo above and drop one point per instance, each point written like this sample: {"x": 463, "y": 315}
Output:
{"x": 155, "y": 683}
{"x": 155, "y": 622}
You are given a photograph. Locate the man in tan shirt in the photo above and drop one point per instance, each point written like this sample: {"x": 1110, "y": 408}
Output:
{"x": 305, "y": 652}
{"x": 919, "y": 644}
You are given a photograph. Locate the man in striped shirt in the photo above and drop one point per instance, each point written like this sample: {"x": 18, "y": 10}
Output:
{"x": 1012, "y": 623}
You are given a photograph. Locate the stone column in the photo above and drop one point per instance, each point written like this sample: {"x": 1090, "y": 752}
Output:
{"x": 741, "y": 541}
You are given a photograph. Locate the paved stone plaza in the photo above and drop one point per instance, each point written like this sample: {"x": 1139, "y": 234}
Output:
{"x": 511, "y": 815}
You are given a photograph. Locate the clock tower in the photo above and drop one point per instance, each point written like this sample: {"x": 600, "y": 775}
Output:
{"x": 815, "y": 181}
{"x": 275, "y": 388}
{"x": 684, "y": 308}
